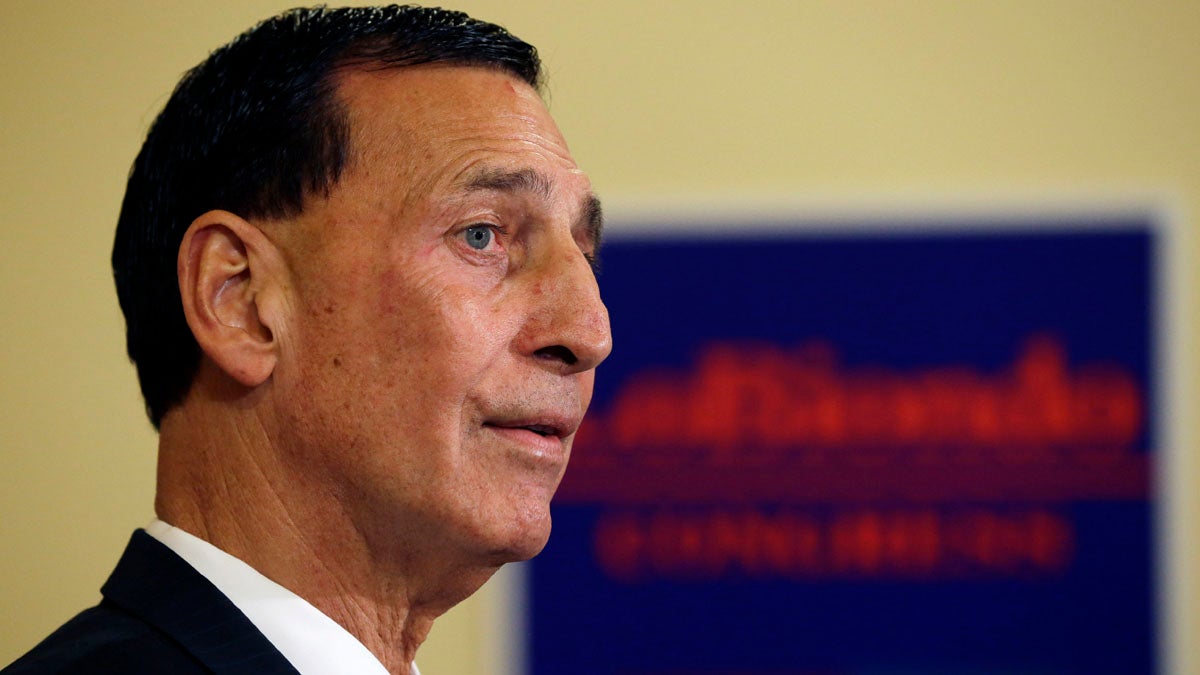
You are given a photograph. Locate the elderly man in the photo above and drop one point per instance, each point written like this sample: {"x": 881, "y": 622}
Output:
{"x": 355, "y": 260}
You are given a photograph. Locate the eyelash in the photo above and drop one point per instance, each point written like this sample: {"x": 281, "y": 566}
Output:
{"x": 498, "y": 231}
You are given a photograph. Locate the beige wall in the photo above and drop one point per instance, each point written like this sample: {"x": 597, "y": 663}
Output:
{"x": 685, "y": 99}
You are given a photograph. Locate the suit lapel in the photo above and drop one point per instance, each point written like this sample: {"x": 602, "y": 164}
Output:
{"x": 158, "y": 586}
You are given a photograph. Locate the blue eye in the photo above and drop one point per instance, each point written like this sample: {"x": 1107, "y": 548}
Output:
{"x": 478, "y": 236}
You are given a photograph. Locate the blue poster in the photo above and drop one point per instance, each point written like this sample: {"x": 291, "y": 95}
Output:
{"x": 891, "y": 450}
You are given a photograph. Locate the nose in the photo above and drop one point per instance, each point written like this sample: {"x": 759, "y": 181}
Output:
{"x": 568, "y": 330}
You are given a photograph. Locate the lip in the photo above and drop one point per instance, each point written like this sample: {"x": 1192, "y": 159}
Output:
{"x": 541, "y": 436}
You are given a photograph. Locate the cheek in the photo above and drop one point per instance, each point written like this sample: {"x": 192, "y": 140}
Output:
{"x": 587, "y": 385}
{"x": 456, "y": 326}
{"x": 403, "y": 345}
{"x": 464, "y": 341}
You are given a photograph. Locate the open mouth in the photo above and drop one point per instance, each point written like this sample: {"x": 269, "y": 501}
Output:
{"x": 539, "y": 429}
{"x": 543, "y": 430}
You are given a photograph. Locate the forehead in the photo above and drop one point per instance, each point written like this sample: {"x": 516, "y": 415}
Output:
{"x": 430, "y": 149}
{"x": 428, "y": 84}
{"x": 427, "y": 140}
{"x": 447, "y": 116}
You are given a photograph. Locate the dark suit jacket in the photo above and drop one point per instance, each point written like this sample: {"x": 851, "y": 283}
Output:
{"x": 158, "y": 615}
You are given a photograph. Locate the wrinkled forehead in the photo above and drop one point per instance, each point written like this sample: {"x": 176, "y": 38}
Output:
{"x": 421, "y": 138}
{"x": 436, "y": 104}
{"x": 417, "y": 134}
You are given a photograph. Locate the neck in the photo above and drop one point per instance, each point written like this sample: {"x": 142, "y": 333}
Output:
{"x": 223, "y": 482}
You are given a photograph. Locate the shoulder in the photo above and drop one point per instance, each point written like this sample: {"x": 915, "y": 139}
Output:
{"x": 105, "y": 639}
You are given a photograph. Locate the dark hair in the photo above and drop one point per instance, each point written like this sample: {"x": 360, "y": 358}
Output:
{"x": 256, "y": 129}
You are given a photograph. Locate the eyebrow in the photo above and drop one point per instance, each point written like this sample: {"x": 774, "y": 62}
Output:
{"x": 591, "y": 216}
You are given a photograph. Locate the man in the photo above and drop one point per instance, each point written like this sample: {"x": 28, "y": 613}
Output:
{"x": 354, "y": 258}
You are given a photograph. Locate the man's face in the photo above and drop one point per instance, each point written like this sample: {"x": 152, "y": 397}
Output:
{"x": 445, "y": 321}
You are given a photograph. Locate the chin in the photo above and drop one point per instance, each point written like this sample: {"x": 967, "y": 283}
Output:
{"x": 523, "y": 540}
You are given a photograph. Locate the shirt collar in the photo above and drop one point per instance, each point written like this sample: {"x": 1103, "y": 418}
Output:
{"x": 311, "y": 641}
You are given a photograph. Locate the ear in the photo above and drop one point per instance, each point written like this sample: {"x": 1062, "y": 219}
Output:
{"x": 226, "y": 268}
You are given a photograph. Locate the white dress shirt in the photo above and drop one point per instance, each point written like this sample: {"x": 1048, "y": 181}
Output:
{"x": 311, "y": 641}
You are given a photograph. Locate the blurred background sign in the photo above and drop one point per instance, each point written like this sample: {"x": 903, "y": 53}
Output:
{"x": 910, "y": 446}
